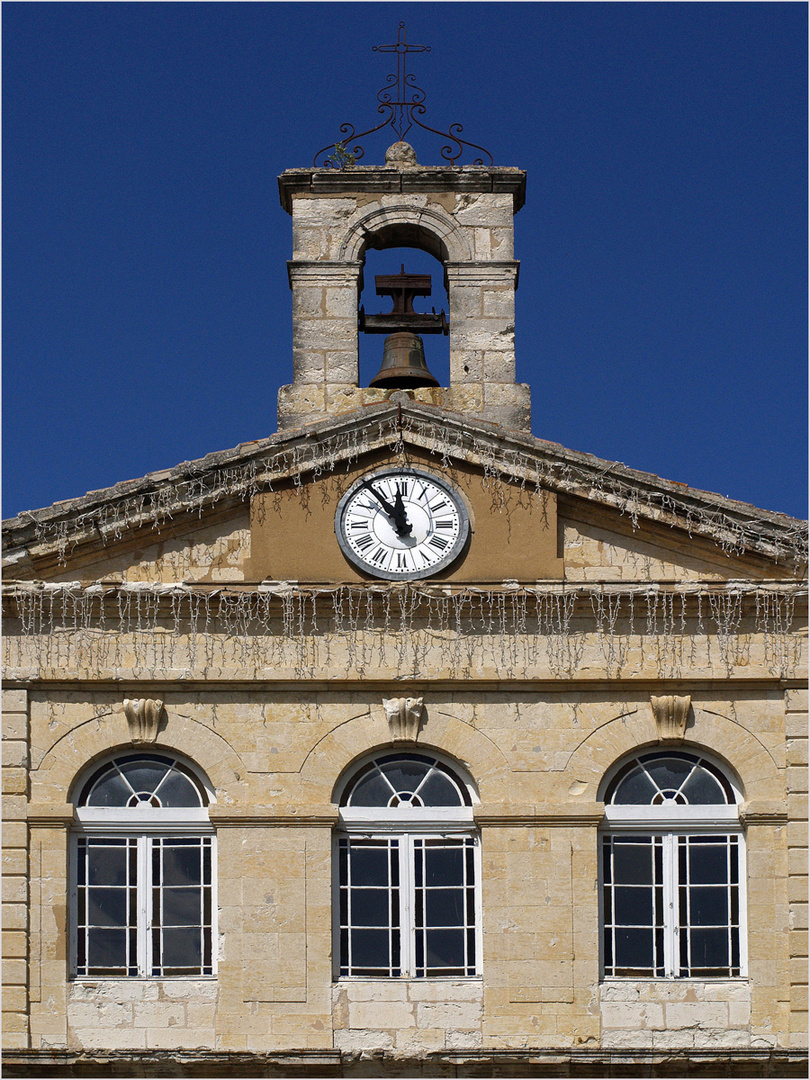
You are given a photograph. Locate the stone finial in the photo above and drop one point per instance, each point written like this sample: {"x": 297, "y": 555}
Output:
{"x": 401, "y": 155}
{"x": 670, "y": 713}
{"x": 404, "y": 716}
{"x": 143, "y": 718}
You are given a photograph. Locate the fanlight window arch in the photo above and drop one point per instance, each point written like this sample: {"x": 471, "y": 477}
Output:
{"x": 407, "y": 781}
{"x": 672, "y": 871}
{"x": 677, "y": 778}
{"x": 143, "y": 780}
{"x": 143, "y": 871}
{"x": 407, "y": 900}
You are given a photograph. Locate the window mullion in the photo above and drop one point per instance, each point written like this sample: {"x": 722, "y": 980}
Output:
{"x": 144, "y": 904}
{"x": 407, "y": 906}
{"x": 671, "y": 933}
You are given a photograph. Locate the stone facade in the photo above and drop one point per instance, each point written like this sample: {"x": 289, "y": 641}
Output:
{"x": 207, "y": 613}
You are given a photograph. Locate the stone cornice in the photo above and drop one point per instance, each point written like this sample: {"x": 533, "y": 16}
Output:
{"x": 231, "y": 476}
{"x": 326, "y": 1062}
{"x": 366, "y": 179}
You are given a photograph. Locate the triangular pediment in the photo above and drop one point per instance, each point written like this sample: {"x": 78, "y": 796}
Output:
{"x": 566, "y": 514}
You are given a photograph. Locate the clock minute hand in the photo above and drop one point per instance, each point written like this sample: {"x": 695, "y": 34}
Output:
{"x": 386, "y": 505}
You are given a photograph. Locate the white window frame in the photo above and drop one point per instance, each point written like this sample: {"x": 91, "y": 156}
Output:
{"x": 407, "y": 824}
{"x": 672, "y": 821}
{"x": 142, "y": 824}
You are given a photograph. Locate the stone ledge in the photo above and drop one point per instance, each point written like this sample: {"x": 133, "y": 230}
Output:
{"x": 269, "y": 817}
{"x": 50, "y": 814}
{"x": 328, "y": 1063}
{"x": 551, "y": 814}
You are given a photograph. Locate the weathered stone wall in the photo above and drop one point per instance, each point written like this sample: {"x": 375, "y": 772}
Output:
{"x": 232, "y": 637}
{"x": 214, "y": 553}
{"x": 537, "y": 757}
{"x": 676, "y": 1015}
{"x": 796, "y": 730}
{"x": 15, "y": 896}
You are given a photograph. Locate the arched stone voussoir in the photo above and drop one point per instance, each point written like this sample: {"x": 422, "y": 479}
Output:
{"x": 96, "y": 739}
{"x": 403, "y": 225}
{"x": 715, "y": 735}
{"x": 364, "y": 735}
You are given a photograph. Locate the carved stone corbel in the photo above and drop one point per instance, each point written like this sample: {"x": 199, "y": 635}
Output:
{"x": 670, "y": 713}
{"x": 143, "y": 718}
{"x": 404, "y": 716}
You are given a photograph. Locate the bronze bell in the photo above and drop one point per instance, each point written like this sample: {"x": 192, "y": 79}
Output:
{"x": 403, "y": 363}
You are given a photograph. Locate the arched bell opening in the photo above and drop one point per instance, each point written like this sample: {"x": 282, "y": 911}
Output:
{"x": 396, "y": 349}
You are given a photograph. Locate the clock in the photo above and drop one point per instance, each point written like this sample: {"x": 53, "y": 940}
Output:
{"x": 401, "y": 524}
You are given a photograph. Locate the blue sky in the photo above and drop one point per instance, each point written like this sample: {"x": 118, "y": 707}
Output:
{"x": 661, "y": 312}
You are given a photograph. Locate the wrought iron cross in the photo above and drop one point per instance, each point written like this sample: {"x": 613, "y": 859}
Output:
{"x": 403, "y": 123}
{"x": 401, "y": 104}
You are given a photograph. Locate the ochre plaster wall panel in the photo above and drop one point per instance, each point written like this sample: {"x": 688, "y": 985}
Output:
{"x": 514, "y": 530}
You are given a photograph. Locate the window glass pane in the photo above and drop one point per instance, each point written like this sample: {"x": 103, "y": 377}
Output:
{"x": 669, "y": 773}
{"x": 111, "y": 790}
{"x": 633, "y": 906}
{"x": 405, "y": 775}
{"x": 182, "y": 948}
{"x": 181, "y": 862}
{"x": 635, "y": 790}
{"x": 632, "y": 861}
{"x": 443, "y": 865}
{"x": 634, "y": 950}
{"x": 708, "y": 906}
{"x": 370, "y": 952}
{"x": 181, "y": 906}
{"x": 709, "y": 949}
{"x": 370, "y": 907}
{"x": 107, "y": 907}
{"x": 372, "y": 790}
{"x": 708, "y": 863}
{"x": 439, "y": 790}
{"x": 445, "y": 949}
{"x": 369, "y": 863}
{"x": 703, "y": 789}
{"x": 106, "y": 951}
{"x": 144, "y": 776}
{"x": 107, "y": 865}
{"x": 178, "y": 790}
{"x": 445, "y": 907}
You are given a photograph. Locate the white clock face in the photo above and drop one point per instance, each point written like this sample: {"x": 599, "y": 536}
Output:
{"x": 401, "y": 524}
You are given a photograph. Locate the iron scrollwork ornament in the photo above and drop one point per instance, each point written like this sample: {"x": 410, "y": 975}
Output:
{"x": 402, "y": 103}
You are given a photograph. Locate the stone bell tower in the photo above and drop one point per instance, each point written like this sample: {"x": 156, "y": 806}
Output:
{"x": 463, "y": 215}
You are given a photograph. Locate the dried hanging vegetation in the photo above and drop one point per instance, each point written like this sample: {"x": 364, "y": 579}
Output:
{"x": 198, "y": 486}
{"x": 512, "y": 631}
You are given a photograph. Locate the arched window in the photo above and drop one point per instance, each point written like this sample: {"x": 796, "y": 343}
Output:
{"x": 143, "y": 870}
{"x": 407, "y": 901}
{"x": 672, "y": 862}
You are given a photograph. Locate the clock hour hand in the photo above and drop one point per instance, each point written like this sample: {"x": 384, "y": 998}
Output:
{"x": 401, "y": 523}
